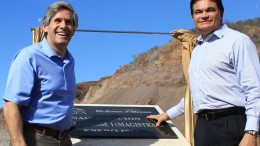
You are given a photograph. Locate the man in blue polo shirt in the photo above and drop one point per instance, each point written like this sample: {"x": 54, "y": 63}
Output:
{"x": 41, "y": 84}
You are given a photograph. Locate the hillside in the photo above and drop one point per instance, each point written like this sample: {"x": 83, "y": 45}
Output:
{"x": 154, "y": 77}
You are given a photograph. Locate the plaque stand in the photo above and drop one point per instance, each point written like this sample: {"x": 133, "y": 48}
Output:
{"x": 115, "y": 125}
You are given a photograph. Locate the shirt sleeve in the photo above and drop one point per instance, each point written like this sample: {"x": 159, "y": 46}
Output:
{"x": 176, "y": 110}
{"x": 248, "y": 73}
{"x": 20, "y": 79}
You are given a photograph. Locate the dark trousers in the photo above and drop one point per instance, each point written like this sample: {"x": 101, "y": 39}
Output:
{"x": 37, "y": 139}
{"x": 225, "y": 131}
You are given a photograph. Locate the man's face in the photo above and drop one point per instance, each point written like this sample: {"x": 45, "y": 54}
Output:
{"x": 206, "y": 16}
{"x": 60, "y": 30}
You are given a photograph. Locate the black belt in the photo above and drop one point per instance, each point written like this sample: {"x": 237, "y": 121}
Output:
{"x": 46, "y": 131}
{"x": 219, "y": 113}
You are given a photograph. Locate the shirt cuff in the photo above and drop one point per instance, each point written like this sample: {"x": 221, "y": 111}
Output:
{"x": 252, "y": 123}
{"x": 176, "y": 110}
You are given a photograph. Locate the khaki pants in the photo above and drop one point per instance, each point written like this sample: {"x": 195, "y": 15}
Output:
{"x": 37, "y": 139}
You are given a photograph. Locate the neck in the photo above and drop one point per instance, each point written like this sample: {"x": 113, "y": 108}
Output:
{"x": 60, "y": 49}
{"x": 205, "y": 34}
{"x": 61, "y": 52}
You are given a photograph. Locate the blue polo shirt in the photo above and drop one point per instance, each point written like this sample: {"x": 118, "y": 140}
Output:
{"x": 44, "y": 85}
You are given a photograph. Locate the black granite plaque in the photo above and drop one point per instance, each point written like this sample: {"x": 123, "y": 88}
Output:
{"x": 118, "y": 122}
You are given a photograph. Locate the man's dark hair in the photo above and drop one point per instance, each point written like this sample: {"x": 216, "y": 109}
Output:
{"x": 218, "y": 2}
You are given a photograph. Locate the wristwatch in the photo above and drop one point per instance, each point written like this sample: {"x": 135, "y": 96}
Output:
{"x": 252, "y": 132}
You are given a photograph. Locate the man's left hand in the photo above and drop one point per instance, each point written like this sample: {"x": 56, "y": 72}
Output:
{"x": 248, "y": 140}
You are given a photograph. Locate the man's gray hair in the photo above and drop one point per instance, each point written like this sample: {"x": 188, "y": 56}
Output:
{"x": 54, "y": 8}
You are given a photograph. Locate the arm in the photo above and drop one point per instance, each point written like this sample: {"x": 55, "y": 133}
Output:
{"x": 19, "y": 85}
{"x": 14, "y": 123}
{"x": 248, "y": 73}
{"x": 173, "y": 112}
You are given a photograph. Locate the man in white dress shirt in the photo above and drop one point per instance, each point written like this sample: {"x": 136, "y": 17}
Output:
{"x": 224, "y": 75}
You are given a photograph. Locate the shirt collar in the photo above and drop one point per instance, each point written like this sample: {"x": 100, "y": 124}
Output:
{"x": 47, "y": 49}
{"x": 50, "y": 52}
{"x": 219, "y": 33}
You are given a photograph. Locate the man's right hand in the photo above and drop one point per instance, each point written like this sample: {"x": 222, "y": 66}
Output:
{"x": 160, "y": 118}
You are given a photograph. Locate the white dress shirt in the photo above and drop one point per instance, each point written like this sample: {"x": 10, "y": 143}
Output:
{"x": 224, "y": 72}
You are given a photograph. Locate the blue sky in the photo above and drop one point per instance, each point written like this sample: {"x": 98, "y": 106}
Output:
{"x": 97, "y": 54}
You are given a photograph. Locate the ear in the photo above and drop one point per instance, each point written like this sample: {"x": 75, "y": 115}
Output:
{"x": 45, "y": 28}
{"x": 74, "y": 32}
{"x": 222, "y": 13}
